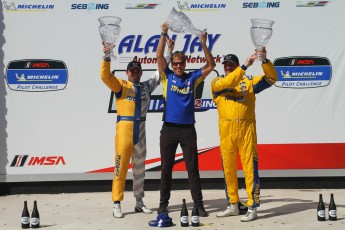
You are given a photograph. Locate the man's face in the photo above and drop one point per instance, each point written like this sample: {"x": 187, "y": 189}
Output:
{"x": 134, "y": 74}
{"x": 178, "y": 66}
{"x": 229, "y": 66}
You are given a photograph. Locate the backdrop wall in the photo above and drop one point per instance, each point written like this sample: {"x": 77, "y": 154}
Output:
{"x": 57, "y": 118}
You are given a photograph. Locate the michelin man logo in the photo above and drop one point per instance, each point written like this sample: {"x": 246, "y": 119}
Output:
{"x": 11, "y": 7}
{"x": 184, "y": 6}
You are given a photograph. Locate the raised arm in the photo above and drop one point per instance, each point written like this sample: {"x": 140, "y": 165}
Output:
{"x": 155, "y": 79}
{"x": 171, "y": 46}
{"x": 210, "y": 64}
{"x": 162, "y": 63}
{"x": 267, "y": 66}
{"x": 107, "y": 77}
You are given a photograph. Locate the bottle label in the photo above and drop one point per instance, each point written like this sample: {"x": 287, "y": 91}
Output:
{"x": 195, "y": 219}
{"x": 25, "y": 220}
{"x": 35, "y": 221}
{"x": 333, "y": 213}
{"x": 184, "y": 219}
{"x": 321, "y": 213}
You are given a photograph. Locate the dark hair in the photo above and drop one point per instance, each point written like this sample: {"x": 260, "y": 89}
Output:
{"x": 133, "y": 64}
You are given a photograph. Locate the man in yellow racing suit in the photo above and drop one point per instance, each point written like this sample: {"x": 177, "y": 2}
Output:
{"x": 132, "y": 101}
{"x": 234, "y": 96}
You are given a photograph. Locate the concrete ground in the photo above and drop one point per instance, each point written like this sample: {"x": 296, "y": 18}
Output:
{"x": 280, "y": 209}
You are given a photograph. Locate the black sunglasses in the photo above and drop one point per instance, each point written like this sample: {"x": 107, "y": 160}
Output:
{"x": 181, "y": 63}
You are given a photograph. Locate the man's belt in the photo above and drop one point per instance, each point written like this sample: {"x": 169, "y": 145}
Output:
{"x": 130, "y": 118}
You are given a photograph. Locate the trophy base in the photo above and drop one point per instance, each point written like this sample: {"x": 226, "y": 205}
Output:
{"x": 113, "y": 58}
{"x": 260, "y": 55}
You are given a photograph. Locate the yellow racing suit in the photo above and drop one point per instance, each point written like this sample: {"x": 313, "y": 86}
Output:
{"x": 234, "y": 96}
{"x": 132, "y": 100}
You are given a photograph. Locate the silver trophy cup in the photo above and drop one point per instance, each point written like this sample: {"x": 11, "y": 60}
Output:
{"x": 109, "y": 30}
{"x": 178, "y": 22}
{"x": 261, "y": 32}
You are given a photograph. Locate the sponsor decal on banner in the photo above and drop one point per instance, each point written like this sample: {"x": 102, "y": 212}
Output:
{"x": 36, "y": 75}
{"x": 261, "y": 5}
{"x": 303, "y": 72}
{"x": 183, "y": 6}
{"x": 11, "y": 6}
{"x": 140, "y": 6}
{"x": 136, "y": 44}
{"x": 20, "y": 160}
{"x": 89, "y": 6}
{"x": 191, "y": 44}
{"x": 311, "y": 3}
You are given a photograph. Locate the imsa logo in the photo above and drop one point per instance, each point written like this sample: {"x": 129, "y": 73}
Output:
{"x": 20, "y": 160}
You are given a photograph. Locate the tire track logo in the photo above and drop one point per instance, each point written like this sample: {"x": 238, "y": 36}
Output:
{"x": 19, "y": 160}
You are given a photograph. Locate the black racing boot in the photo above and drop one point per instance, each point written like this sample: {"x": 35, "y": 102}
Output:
{"x": 162, "y": 207}
{"x": 201, "y": 209}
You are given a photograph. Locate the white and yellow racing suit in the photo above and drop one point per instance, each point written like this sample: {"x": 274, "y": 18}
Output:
{"x": 132, "y": 100}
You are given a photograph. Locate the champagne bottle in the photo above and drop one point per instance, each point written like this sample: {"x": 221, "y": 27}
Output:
{"x": 321, "y": 216}
{"x": 195, "y": 216}
{"x": 332, "y": 209}
{"x": 25, "y": 216}
{"x": 35, "y": 217}
{"x": 184, "y": 214}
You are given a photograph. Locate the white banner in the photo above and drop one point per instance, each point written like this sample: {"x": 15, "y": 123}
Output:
{"x": 57, "y": 118}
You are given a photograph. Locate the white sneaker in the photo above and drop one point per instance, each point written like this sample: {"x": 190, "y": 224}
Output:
{"x": 117, "y": 211}
{"x": 251, "y": 215}
{"x": 231, "y": 210}
{"x": 143, "y": 209}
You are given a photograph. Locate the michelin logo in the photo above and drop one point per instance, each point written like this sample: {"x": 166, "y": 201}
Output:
{"x": 36, "y": 75}
{"x": 27, "y": 7}
{"x": 183, "y": 6}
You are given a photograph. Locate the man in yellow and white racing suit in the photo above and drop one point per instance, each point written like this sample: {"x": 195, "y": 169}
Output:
{"x": 234, "y": 96}
{"x": 132, "y": 101}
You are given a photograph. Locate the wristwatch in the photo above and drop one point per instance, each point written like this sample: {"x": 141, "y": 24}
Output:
{"x": 164, "y": 34}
